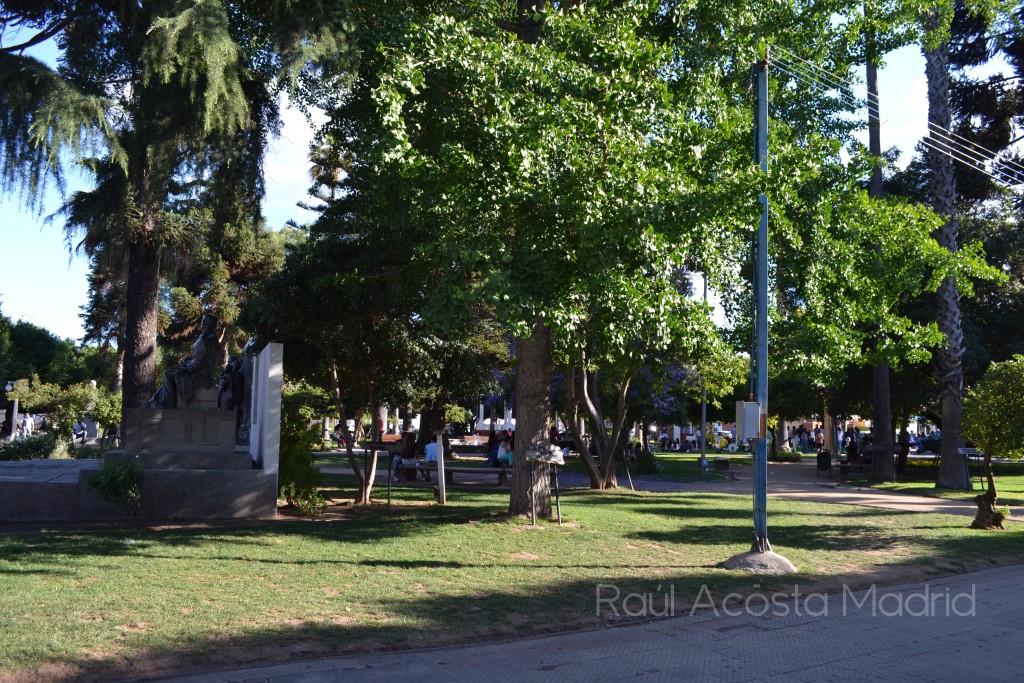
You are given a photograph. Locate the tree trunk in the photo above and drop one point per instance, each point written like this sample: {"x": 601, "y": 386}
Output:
{"x": 119, "y": 367}
{"x": 431, "y": 420}
{"x": 533, "y": 397}
{"x": 953, "y": 469}
{"x": 366, "y": 481}
{"x": 582, "y": 447}
{"x": 140, "y": 327}
{"x": 988, "y": 516}
{"x": 904, "y": 440}
{"x": 581, "y": 394}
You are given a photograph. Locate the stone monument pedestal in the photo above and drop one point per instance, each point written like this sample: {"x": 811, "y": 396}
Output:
{"x": 191, "y": 468}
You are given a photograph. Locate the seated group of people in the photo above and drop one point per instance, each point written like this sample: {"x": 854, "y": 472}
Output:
{"x": 855, "y": 450}
{"x": 499, "y": 453}
{"x": 407, "y": 455}
{"x": 500, "y": 447}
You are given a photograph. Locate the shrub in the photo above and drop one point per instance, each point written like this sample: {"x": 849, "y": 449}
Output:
{"x": 298, "y": 480}
{"x": 787, "y": 456}
{"x": 36, "y": 447}
{"x": 119, "y": 481}
{"x": 648, "y": 463}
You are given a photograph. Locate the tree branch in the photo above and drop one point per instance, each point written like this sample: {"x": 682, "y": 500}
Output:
{"x": 41, "y": 37}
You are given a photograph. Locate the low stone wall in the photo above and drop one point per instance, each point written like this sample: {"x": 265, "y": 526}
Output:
{"x": 191, "y": 468}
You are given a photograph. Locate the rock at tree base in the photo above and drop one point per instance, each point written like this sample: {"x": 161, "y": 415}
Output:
{"x": 760, "y": 563}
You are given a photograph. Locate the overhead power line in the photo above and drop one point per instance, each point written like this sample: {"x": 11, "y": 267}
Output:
{"x": 940, "y": 139}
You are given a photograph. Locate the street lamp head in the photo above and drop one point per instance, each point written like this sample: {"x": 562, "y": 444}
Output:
{"x": 9, "y": 386}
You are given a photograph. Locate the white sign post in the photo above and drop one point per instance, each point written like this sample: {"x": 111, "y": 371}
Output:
{"x": 440, "y": 467}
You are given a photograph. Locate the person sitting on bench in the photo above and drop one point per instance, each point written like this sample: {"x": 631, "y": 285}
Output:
{"x": 505, "y": 452}
{"x": 338, "y": 435}
{"x": 851, "y": 452}
{"x": 406, "y": 455}
{"x": 493, "y": 442}
{"x": 430, "y": 454}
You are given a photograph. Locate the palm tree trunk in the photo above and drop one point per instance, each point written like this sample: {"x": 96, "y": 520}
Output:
{"x": 953, "y": 469}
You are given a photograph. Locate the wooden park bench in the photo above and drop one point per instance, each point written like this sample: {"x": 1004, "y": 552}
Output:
{"x": 847, "y": 467}
{"x": 869, "y": 454}
{"x": 450, "y": 471}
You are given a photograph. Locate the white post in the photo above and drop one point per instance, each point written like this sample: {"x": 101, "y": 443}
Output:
{"x": 265, "y": 434}
{"x": 440, "y": 466}
{"x": 14, "y": 420}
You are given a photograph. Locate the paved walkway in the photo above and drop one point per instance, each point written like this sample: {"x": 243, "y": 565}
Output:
{"x": 961, "y": 628}
{"x": 795, "y": 480}
{"x": 801, "y": 481}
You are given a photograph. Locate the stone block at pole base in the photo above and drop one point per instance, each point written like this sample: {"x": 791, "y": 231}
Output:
{"x": 760, "y": 563}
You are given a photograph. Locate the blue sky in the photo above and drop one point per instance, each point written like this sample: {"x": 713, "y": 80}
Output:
{"x": 42, "y": 283}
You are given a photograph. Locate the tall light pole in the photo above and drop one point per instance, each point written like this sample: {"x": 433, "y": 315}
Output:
{"x": 14, "y": 415}
{"x": 704, "y": 406}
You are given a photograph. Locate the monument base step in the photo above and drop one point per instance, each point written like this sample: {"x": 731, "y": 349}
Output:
{"x": 185, "y": 461}
{"x": 186, "y": 430}
{"x": 58, "y": 491}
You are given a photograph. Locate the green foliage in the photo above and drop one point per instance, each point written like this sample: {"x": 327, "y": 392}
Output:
{"x": 456, "y": 414}
{"x": 648, "y": 463}
{"x": 993, "y": 415}
{"x": 784, "y": 456}
{"x": 196, "y": 49}
{"x": 65, "y": 406}
{"x": 35, "y": 447}
{"x": 298, "y": 478}
{"x": 44, "y": 116}
{"x": 106, "y": 409}
{"x": 27, "y": 350}
{"x": 302, "y": 402}
{"x": 119, "y": 481}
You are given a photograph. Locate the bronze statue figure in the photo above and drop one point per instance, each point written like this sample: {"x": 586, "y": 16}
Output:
{"x": 198, "y": 370}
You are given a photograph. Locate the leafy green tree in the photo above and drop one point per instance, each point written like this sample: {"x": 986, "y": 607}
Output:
{"x": 575, "y": 159}
{"x": 163, "y": 93}
{"x": 106, "y": 411}
{"x": 994, "y": 410}
{"x": 344, "y": 313}
{"x": 992, "y": 418}
{"x": 64, "y": 405}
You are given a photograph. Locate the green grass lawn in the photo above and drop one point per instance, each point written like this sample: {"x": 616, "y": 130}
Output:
{"x": 919, "y": 479}
{"x": 119, "y": 602}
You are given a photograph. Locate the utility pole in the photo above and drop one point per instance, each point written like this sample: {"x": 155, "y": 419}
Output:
{"x": 882, "y": 468}
{"x": 760, "y": 557}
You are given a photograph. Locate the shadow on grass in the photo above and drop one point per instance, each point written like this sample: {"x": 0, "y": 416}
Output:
{"x": 426, "y": 621}
{"x": 395, "y": 614}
